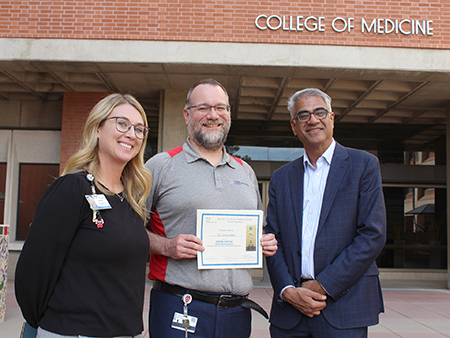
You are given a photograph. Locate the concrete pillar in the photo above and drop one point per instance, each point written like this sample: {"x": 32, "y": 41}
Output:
{"x": 172, "y": 127}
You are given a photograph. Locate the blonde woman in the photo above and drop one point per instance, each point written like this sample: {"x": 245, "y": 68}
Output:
{"x": 82, "y": 268}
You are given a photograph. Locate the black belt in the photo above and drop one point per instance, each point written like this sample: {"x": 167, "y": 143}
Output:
{"x": 222, "y": 301}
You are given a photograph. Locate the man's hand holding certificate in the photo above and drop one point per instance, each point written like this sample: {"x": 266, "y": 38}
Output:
{"x": 231, "y": 238}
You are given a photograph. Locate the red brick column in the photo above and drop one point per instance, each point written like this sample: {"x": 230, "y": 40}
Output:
{"x": 76, "y": 108}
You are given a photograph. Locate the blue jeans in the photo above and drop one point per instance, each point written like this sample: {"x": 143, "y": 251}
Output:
{"x": 213, "y": 321}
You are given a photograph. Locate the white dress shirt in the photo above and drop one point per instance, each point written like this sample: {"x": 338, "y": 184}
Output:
{"x": 314, "y": 181}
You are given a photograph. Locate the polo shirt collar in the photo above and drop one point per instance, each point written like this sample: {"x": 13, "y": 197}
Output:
{"x": 192, "y": 155}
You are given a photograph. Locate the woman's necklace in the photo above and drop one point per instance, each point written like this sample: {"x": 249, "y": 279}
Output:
{"x": 104, "y": 182}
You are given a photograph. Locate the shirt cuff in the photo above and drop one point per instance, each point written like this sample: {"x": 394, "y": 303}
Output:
{"x": 282, "y": 290}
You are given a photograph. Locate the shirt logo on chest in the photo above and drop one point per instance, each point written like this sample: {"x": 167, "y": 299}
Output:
{"x": 238, "y": 183}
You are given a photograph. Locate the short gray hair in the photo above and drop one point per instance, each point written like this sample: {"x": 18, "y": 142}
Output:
{"x": 307, "y": 92}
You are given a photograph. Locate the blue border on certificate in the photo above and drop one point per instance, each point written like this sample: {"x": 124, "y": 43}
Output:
{"x": 258, "y": 214}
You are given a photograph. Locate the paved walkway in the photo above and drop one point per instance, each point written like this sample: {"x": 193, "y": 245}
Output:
{"x": 409, "y": 313}
{"x": 412, "y": 311}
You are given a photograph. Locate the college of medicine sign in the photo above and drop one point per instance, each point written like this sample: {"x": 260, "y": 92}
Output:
{"x": 344, "y": 25}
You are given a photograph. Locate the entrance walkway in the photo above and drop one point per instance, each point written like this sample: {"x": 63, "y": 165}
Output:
{"x": 414, "y": 309}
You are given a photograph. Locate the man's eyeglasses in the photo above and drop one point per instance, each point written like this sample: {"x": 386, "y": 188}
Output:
{"x": 304, "y": 115}
{"x": 204, "y": 108}
{"x": 123, "y": 125}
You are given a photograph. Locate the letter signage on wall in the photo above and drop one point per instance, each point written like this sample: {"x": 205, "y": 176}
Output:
{"x": 302, "y": 23}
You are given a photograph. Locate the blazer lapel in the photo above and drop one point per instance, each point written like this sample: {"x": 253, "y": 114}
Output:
{"x": 338, "y": 168}
{"x": 296, "y": 189}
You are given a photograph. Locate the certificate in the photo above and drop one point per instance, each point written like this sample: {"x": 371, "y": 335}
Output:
{"x": 231, "y": 238}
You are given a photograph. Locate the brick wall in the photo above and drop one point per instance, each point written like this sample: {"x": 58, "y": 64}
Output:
{"x": 221, "y": 20}
{"x": 76, "y": 108}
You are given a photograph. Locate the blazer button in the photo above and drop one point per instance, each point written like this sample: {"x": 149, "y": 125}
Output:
{"x": 298, "y": 253}
{"x": 296, "y": 280}
{"x": 343, "y": 293}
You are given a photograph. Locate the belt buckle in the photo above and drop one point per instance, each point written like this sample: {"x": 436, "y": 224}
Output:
{"x": 221, "y": 299}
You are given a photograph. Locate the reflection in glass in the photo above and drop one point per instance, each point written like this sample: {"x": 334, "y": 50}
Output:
{"x": 417, "y": 232}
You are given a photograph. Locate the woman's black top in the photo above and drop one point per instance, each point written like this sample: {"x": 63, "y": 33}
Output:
{"x": 74, "y": 278}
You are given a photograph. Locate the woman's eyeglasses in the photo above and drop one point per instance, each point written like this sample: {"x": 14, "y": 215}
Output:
{"x": 123, "y": 125}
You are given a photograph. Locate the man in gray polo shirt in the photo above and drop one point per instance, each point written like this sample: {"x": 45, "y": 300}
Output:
{"x": 199, "y": 175}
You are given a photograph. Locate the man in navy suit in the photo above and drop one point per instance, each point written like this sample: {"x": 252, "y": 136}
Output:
{"x": 328, "y": 214}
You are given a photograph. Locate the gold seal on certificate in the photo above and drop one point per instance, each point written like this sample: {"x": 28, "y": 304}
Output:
{"x": 231, "y": 238}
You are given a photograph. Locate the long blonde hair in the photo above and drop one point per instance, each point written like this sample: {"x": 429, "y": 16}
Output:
{"x": 136, "y": 178}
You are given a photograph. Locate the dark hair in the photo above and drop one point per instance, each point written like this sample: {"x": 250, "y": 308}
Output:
{"x": 205, "y": 81}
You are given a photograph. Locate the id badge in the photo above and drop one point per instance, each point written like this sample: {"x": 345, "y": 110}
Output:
{"x": 98, "y": 202}
{"x": 177, "y": 322}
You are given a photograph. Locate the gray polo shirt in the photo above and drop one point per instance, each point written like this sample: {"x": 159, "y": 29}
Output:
{"x": 183, "y": 182}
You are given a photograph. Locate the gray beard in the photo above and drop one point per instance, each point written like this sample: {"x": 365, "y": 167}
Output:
{"x": 210, "y": 142}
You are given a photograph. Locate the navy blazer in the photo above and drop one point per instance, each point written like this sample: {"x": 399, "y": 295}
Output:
{"x": 350, "y": 236}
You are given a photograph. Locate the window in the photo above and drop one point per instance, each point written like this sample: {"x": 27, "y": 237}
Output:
{"x": 416, "y": 228}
